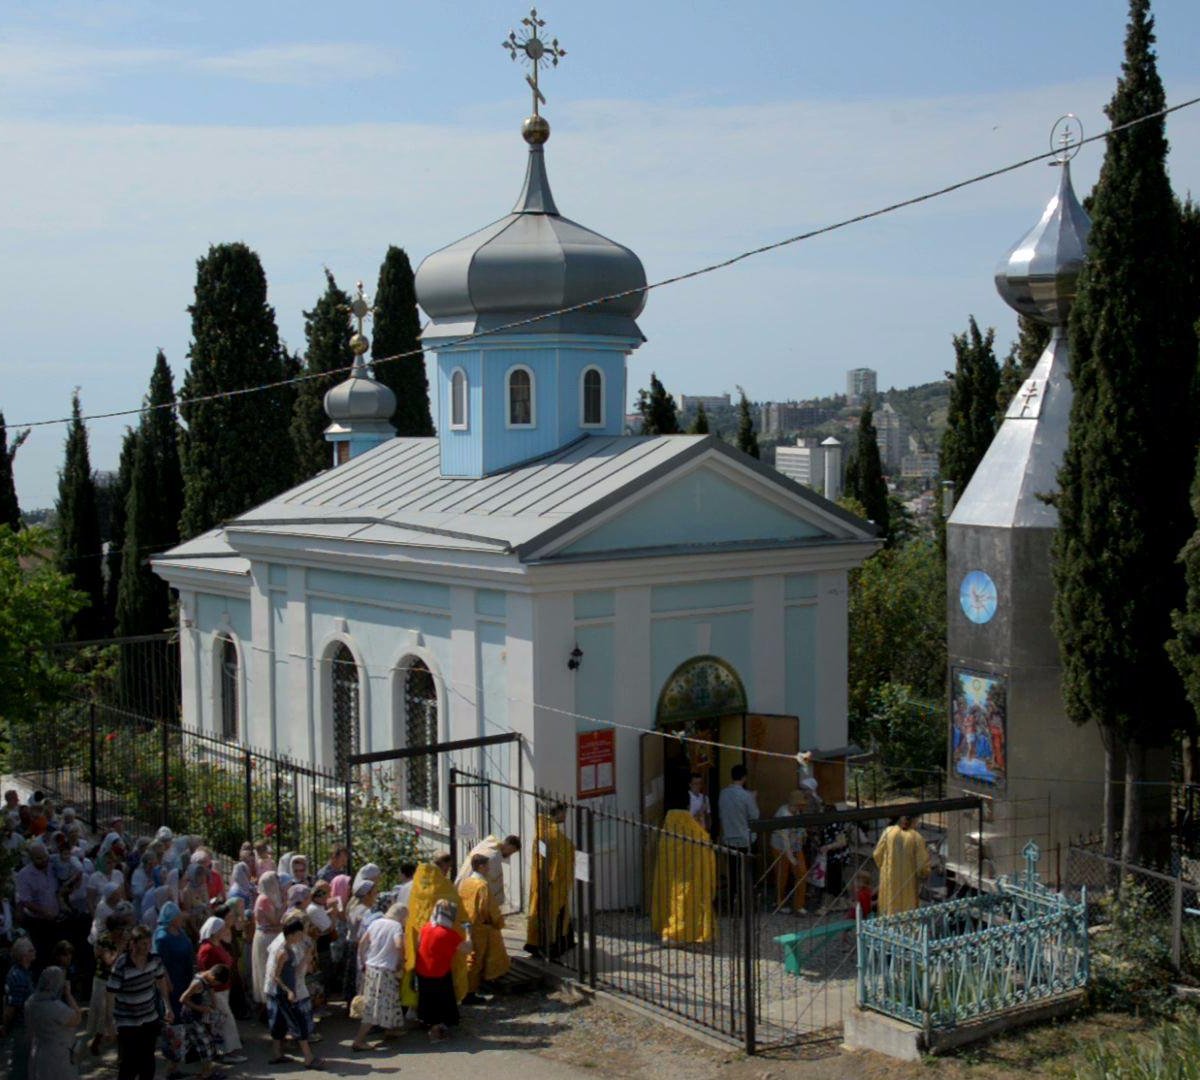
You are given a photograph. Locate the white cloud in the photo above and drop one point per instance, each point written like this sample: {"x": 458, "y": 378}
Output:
{"x": 301, "y": 63}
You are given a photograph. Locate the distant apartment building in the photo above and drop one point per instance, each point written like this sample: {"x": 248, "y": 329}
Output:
{"x": 777, "y": 417}
{"x": 814, "y": 464}
{"x": 919, "y": 465}
{"x": 860, "y": 385}
{"x": 710, "y": 402}
{"x": 891, "y": 434}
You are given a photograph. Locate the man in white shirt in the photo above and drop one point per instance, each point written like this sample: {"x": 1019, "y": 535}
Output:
{"x": 698, "y": 804}
{"x": 498, "y": 853}
{"x": 737, "y": 807}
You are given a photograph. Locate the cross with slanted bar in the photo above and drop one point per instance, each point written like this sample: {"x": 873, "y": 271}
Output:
{"x": 528, "y": 46}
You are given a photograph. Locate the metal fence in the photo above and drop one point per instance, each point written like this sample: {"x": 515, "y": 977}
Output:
{"x": 1165, "y": 905}
{"x": 137, "y": 674}
{"x": 108, "y": 761}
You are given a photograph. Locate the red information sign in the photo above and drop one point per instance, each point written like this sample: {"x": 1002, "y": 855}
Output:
{"x": 596, "y": 754}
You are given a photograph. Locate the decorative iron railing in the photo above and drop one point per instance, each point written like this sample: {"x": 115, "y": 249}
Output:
{"x": 965, "y": 959}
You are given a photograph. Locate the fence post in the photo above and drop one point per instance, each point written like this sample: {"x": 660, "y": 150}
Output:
{"x": 92, "y": 761}
{"x": 248, "y": 770}
{"x": 580, "y": 841}
{"x": 1177, "y": 922}
{"x": 747, "y": 891}
{"x": 452, "y": 816}
{"x": 593, "y": 870}
{"x": 166, "y": 774}
{"x": 347, "y": 808}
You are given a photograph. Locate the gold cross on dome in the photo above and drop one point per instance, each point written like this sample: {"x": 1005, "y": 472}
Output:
{"x": 360, "y": 310}
{"x": 529, "y": 47}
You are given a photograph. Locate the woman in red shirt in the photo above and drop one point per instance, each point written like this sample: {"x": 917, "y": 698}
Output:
{"x": 437, "y": 1007}
{"x": 214, "y": 951}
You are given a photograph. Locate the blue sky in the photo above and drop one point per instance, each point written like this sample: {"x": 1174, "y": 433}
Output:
{"x": 135, "y": 134}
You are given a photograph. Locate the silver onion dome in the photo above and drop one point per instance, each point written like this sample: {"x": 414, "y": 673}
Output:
{"x": 530, "y": 262}
{"x": 1038, "y": 275}
{"x": 360, "y": 399}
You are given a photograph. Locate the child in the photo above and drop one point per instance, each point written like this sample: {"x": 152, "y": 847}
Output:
{"x": 862, "y": 896}
{"x": 201, "y": 1020}
{"x": 288, "y": 1015}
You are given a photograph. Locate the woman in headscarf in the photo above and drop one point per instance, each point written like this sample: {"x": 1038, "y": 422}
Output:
{"x": 215, "y": 954}
{"x": 51, "y": 1017}
{"x": 363, "y": 894}
{"x": 110, "y": 896}
{"x": 284, "y": 869}
{"x": 241, "y": 885}
{"x": 286, "y": 1012}
{"x": 143, "y": 876}
{"x": 298, "y": 896}
{"x": 441, "y": 946}
{"x": 111, "y": 855}
{"x": 193, "y": 897}
{"x": 174, "y": 948}
{"x": 321, "y": 925}
{"x": 152, "y": 903}
{"x": 685, "y": 882}
{"x": 338, "y": 906}
{"x": 171, "y": 881}
{"x": 380, "y": 961}
{"x": 299, "y": 870}
{"x": 268, "y": 919}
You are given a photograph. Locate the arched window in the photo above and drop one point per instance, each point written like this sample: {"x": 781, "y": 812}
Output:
{"x": 520, "y": 397}
{"x": 458, "y": 400}
{"x": 228, "y": 673}
{"x": 343, "y": 675}
{"x": 421, "y": 729}
{"x": 593, "y": 398}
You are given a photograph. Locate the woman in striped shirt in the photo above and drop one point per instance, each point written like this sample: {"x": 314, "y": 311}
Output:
{"x": 141, "y": 1002}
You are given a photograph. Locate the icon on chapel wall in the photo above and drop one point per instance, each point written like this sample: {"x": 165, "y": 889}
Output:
{"x": 978, "y": 725}
{"x": 978, "y": 596}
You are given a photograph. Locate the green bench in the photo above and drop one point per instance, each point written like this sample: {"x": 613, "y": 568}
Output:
{"x": 799, "y": 946}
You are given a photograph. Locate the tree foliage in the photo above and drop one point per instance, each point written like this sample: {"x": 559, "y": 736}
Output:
{"x": 971, "y": 417}
{"x": 700, "y": 424}
{"x": 897, "y": 627}
{"x": 864, "y": 473}
{"x": 237, "y": 452}
{"x": 37, "y": 603}
{"x": 660, "y": 415}
{"x": 152, "y": 510}
{"x": 118, "y": 496}
{"x": 327, "y": 333}
{"x": 1123, "y": 503}
{"x": 397, "y": 329}
{"x": 10, "y": 508}
{"x": 78, "y": 535}
{"x": 747, "y": 440}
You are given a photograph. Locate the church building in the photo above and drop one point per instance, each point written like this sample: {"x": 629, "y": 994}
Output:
{"x": 530, "y": 568}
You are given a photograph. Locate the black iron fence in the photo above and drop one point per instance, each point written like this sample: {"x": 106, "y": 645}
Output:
{"x": 108, "y": 761}
{"x": 137, "y": 674}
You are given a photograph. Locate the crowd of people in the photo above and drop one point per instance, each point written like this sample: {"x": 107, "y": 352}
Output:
{"x": 179, "y": 956}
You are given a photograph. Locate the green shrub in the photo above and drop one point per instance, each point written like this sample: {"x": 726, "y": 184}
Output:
{"x": 1173, "y": 1053}
{"x": 1131, "y": 959}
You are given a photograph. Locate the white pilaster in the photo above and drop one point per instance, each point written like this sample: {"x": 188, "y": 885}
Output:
{"x": 465, "y": 678}
{"x": 189, "y": 660}
{"x": 633, "y": 695}
{"x": 832, "y": 645}
{"x": 769, "y": 689}
{"x": 296, "y": 728}
{"x": 554, "y": 692}
{"x": 258, "y": 660}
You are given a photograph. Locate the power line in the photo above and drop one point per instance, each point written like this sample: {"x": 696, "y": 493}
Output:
{"x": 673, "y": 280}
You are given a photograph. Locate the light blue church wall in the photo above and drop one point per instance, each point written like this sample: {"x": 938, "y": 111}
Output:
{"x": 674, "y": 640}
{"x": 491, "y": 641}
{"x": 594, "y": 679}
{"x": 702, "y": 507}
{"x": 800, "y": 650}
{"x": 461, "y": 451}
{"x": 282, "y": 691}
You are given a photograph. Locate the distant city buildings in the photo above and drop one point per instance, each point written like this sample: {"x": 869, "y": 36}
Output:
{"x": 814, "y": 464}
{"x": 861, "y": 385}
{"x": 779, "y": 417}
{"x": 919, "y": 465}
{"x": 891, "y": 434}
{"x": 711, "y": 403}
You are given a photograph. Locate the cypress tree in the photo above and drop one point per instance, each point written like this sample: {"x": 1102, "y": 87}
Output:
{"x": 397, "y": 329}
{"x": 700, "y": 424}
{"x": 1184, "y": 647}
{"x": 10, "y": 509}
{"x": 1032, "y": 339}
{"x": 237, "y": 452}
{"x": 971, "y": 416}
{"x": 327, "y": 332}
{"x": 747, "y": 440}
{"x": 864, "y": 473}
{"x": 119, "y": 496}
{"x": 658, "y": 410}
{"x": 153, "y": 509}
{"x": 78, "y": 537}
{"x": 1123, "y": 503}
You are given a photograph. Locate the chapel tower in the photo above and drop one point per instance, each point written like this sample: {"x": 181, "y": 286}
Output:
{"x": 1010, "y": 739}
{"x": 534, "y": 381}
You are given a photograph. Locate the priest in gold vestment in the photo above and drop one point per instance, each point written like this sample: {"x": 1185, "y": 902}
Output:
{"x": 685, "y": 882}
{"x": 903, "y": 861}
{"x": 548, "y": 928}
{"x": 489, "y": 958}
{"x": 429, "y": 885}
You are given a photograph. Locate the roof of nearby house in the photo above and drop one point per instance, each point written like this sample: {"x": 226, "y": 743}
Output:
{"x": 395, "y": 494}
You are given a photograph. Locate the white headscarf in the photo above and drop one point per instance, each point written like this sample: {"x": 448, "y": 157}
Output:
{"x": 284, "y": 869}
{"x": 211, "y": 928}
{"x": 370, "y": 873}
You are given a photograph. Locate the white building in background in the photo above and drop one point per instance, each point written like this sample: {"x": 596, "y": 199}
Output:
{"x": 711, "y": 402}
{"x": 814, "y": 463}
{"x": 860, "y": 385}
{"x": 891, "y": 435}
{"x": 530, "y": 568}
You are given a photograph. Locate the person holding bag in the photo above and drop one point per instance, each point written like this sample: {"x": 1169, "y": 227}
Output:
{"x": 140, "y": 992}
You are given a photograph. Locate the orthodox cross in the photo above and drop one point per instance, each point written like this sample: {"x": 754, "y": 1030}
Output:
{"x": 1029, "y": 394}
{"x": 1033, "y": 856}
{"x": 1067, "y": 133}
{"x": 360, "y": 310}
{"x": 529, "y": 47}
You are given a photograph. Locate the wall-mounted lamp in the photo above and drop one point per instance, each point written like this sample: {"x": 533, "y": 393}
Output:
{"x": 576, "y": 659}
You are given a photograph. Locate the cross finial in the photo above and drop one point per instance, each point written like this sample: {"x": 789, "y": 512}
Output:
{"x": 529, "y": 47}
{"x": 360, "y": 310}
{"x": 1066, "y": 137}
{"x": 1033, "y": 855}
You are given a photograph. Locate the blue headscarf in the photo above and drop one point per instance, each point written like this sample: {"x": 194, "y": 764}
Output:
{"x": 167, "y": 914}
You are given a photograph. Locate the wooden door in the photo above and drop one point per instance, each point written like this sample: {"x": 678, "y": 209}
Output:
{"x": 772, "y": 778}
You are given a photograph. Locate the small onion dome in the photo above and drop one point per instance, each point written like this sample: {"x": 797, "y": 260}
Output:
{"x": 528, "y": 263}
{"x": 1038, "y": 275}
{"x": 360, "y": 399}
